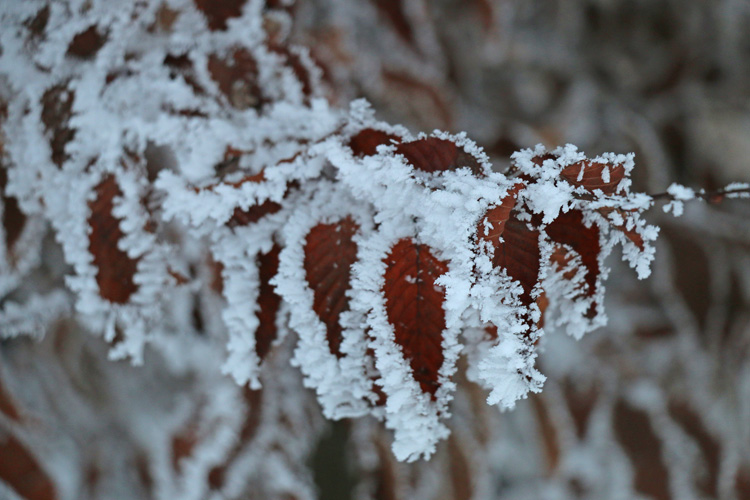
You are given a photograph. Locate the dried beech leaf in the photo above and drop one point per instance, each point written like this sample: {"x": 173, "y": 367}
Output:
{"x": 295, "y": 62}
{"x": 518, "y": 253}
{"x": 237, "y": 79}
{"x": 549, "y": 434}
{"x": 268, "y": 301}
{"x": 394, "y": 12}
{"x": 329, "y": 255}
{"x": 636, "y": 435}
{"x": 492, "y": 225}
{"x": 20, "y": 470}
{"x": 422, "y": 97}
{"x": 13, "y": 219}
{"x": 183, "y": 444}
{"x": 569, "y": 229}
{"x": 38, "y": 24}
{"x": 437, "y": 155}
{"x": 114, "y": 269}
{"x": 414, "y": 305}
{"x": 581, "y": 402}
{"x": 57, "y": 109}
{"x": 217, "y": 12}
{"x": 365, "y": 143}
{"x": 630, "y": 234}
{"x": 691, "y": 422}
{"x": 591, "y": 176}
{"x": 86, "y": 43}
{"x": 253, "y": 214}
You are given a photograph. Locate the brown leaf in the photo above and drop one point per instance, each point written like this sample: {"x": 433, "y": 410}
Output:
{"x": 57, "y": 109}
{"x": 329, "y": 254}
{"x": 461, "y": 473}
{"x": 414, "y": 305}
{"x": 38, "y": 24}
{"x": 693, "y": 425}
{"x": 742, "y": 483}
{"x": 218, "y": 12}
{"x": 237, "y": 78}
{"x": 268, "y": 302}
{"x": 366, "y": 141}
{"x": 421, "y": 97}
{"x": 548, "y": 432}
{"x": 87, "y": 43}
{"x": 181, "y": 65}
{"x": 518, "y": 254}
{"x": 183, "y": 443}
{"x": 114, "y": 269}
{"x": 21, "y": 471}
{"x": 253, "y": 214}
{"x": 295, "y": 62}
{"x": 592, "y": 175}
{"x": 437, "y": 155}
{"x": 492, "y": 225}
{"x": 581, "y": 402}
{"x": 636, "y": 435}
{"x": 630, "y": 234}
{"x": 13, "y": 219}
{"x": 394, "y": 12}
{"x": 568, "y": 229}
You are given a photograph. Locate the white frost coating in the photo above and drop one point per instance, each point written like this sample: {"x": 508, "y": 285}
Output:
{"x": 33, "y": 316}
{"x": 343, "y": 386}
{"x": 679, "y": 194}
{"x": 415, "y": 419}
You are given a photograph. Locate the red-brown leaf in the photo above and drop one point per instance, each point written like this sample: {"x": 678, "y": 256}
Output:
{"x": 568, "y": 229}
{"x": 365, "y": 143}
{"x": 21, "y": 471}
{"x": 114, "y": 269}
{"x": 437, "y": 155}
{"x": 14, "y": 219}
{"x": 393, "y": 10}
{"x": 253, "y": 214}
{"x": 636, "y": 435}
{"x": 218, "y": 12}
{"x": 630, "y": 234}
{"x": 592, "y": 175}
{"x": 183, "y": 443}
{"x": 422, "y": 97}
{"x": 296, "y": 64}
{"x": 519, "y": 255}
{"x": 329, "y": 254}
{"x": 57, "y": 109}
{"x": 237, "y": 78}
{"x": 692, "y": 423}
{"x": 268, "y": 302}
{"x": 414, "y": 305}
{"x": 86, "y": 43}
{"x": 497, "y": 216}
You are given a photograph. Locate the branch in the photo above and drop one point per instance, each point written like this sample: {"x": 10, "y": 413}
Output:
{"x": 677, "y": 192}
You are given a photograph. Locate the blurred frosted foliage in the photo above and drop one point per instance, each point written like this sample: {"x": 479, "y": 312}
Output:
{"x": 163, "y": 160}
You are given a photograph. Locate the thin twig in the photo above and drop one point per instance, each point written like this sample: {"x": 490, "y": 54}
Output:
{"x": 713, "y": 197}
